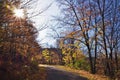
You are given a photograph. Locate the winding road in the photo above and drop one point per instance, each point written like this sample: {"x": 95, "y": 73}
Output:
{"x": 54, "y": 73}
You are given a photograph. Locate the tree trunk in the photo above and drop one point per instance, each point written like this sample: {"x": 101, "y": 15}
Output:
{"x": 91, "y": 61}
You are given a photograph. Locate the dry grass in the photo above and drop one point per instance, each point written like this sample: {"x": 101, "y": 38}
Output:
{"x": 84, "y": 73}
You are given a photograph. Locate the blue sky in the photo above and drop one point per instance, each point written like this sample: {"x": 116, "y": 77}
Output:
{"x": 44, "y": 19}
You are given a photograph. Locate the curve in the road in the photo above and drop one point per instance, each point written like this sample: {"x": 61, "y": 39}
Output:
{"x": 56, "y": 74}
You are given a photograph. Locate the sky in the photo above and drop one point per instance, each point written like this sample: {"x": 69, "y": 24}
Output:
{"x": 45, "y": 20}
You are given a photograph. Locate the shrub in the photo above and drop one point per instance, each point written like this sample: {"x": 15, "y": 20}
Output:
{"x": 27, "y": 70}
{"x": 82, "y": 64}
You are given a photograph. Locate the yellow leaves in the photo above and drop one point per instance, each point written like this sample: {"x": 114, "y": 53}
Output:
{"x": 46, "y": 55}
{"x": 7, "y": 6}
{"x": 45, "y": 52}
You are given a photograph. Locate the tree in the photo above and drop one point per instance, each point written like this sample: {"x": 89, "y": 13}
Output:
{"x": 17, "y": 42}
{"x": 46, "y": 56}
{"x": 96, "y": 26}
{"x": 79, "y": 15}
{"x": 110, "y": 25}
{"x": 19, "y": 33}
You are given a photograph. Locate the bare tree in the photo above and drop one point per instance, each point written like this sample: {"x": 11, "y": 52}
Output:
{"x": 80, "y": 17}
{"x": 97, "y": 26}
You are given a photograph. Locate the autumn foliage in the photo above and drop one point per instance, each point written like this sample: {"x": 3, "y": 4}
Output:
{"x": 18, "y": 45}
{"x": 95, "y": 25}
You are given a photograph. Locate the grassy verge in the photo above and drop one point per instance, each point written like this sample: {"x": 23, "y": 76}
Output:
{"x": 84, "y": 73}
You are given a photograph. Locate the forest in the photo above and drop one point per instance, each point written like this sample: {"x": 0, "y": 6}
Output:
{"x": 87, "y": 35}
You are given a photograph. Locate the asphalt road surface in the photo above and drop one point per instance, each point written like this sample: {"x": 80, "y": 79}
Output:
{"x": 56, "y": 74}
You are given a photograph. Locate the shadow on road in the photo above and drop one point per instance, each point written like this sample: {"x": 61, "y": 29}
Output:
{"x": 56, "y": 74}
